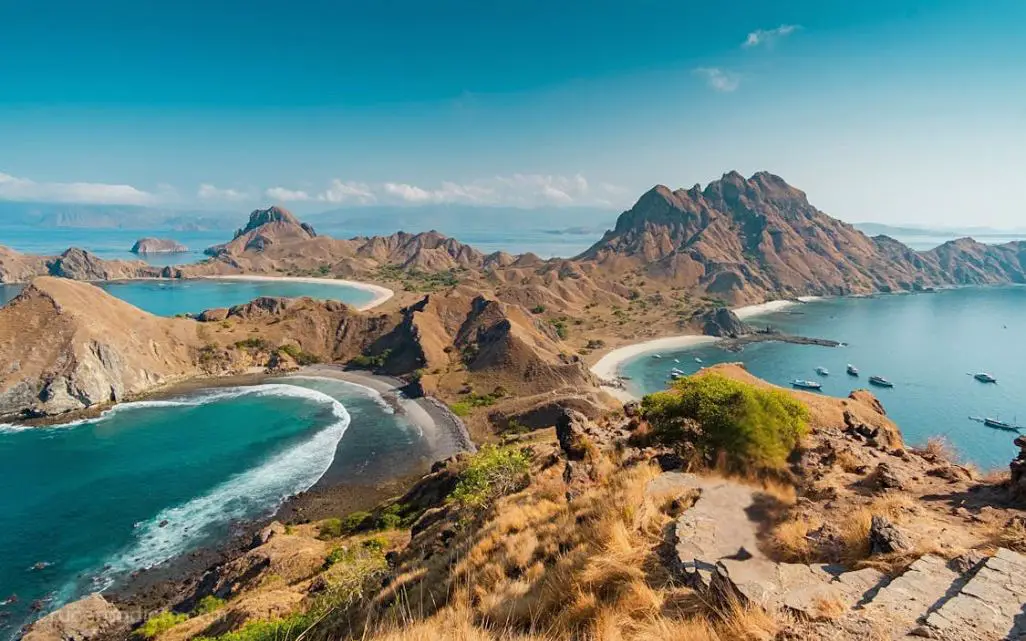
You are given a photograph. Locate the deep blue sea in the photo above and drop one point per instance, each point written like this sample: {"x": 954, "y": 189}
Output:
{"x": 151, "y": 480}
{"x": 926, "y": 344}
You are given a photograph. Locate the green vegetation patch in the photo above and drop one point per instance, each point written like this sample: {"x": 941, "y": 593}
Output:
{"x": 491, "y": 473}
{"x": 301, "y": 357}
{"x": 368, "y": 361}
{"x": 208, "y": 604}
{"x": 159, "y": 624}
{"x": 719, "y": 416}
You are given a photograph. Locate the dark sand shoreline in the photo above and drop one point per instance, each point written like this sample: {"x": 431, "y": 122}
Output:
{"x": 334, "y": 494}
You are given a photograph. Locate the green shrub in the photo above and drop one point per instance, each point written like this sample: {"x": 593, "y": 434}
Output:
{"x": 287, "y": 629}
{"x": 538, "y": 309}
{"x": 375, "y": 544}
{"x": 390, "y": 517}
{"x": 355, "y": 521}
{"x": 367, "y": 361}
{"x": 560, "y": 326}
{"x": 462, "y": 408}
{"x": 749, "y": 425}
{"x": 208, "y": 604}
{"x": 491, "y": 473}
{"x": 298, "y": 355}
{"x": 254, "y": 342}
{"x": 337, "y": 555}
{"x": 160, "y": 623}
{"x": 330, "y": 529}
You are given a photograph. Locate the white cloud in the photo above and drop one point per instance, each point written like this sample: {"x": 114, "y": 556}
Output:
{"x": 281, "y": 194}
{"x": 345, "y": 192}
{"x": 210, "y": 192}
{"x": 768, "y": 37}
{"x": 719, "y": 79}
{"x": 516, "y": 190}
{"x": 14, "y": 188}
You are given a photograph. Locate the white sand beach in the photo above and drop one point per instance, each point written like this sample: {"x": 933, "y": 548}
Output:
{"x": 749, "y": 311}
{"x": 381, "y": 294}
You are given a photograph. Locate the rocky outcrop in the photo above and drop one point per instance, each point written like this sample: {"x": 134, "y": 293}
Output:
{"x": 78, "y": 264}
{"x": 87, "y": 619}
{"x": 1018, "y": 470}
{"x": 151, "y": 245}
{"x": 70, "y": 345}
{"x": 723, "y": 322}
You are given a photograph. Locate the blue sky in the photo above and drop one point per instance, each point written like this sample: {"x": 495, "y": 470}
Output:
{"x": 895, "y": 111}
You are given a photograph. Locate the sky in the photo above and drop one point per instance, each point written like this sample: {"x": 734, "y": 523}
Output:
{"x": 895, "y": 111}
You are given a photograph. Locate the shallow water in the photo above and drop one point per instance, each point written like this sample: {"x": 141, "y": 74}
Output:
{"x": 926, "y": 344}
{"x": 152, "y": 480}
{"x": 171, "y": 297}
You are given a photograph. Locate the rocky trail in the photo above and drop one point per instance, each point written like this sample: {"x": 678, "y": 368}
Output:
{"x": 715, "y": 550}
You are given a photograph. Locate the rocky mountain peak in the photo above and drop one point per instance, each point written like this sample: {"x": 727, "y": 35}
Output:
{"x": 260, "y": 217}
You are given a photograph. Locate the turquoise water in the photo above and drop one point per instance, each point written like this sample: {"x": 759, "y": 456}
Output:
{"x": 170, "y": 297}
{"x": 152, "y": 480}
{"x": 925, "y": 344}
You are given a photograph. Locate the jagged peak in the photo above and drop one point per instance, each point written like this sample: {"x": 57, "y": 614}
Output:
{"x": 274, "y": 214}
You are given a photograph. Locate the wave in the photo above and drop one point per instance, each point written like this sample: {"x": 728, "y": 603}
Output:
{"x": 364, "y": 390}
{"x": 243, "y": 496}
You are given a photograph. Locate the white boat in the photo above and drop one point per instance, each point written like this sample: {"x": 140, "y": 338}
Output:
{"x": 802, "y": 384}
{"x": 880, "y": 381}
{"x": 822, "y": 371}
{"x": 984, "y": 377}
{"x": 698, "y": 360}
{"x": 657, "y": 355}
{"x": 852, "y": 370}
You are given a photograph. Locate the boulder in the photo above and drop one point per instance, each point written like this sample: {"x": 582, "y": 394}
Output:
{"x": 885, "y": 537}
{"x": 90, "y": 618}
{"x": 215, "y": 315}
{"x": 571, "y": 427}
{"x": 887, "y": 477}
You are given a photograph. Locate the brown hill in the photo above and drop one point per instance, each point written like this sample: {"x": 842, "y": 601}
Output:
{"x": 70, "y": 345}
{"x": 746, "y": 240}
{"x": 74, "y": 263}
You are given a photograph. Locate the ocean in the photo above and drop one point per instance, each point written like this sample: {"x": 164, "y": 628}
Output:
{"x": 91, "y": 501}
{"x": 928, "y": 345}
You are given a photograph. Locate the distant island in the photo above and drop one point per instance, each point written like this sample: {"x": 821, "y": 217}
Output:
{"x": 158, "y": 246}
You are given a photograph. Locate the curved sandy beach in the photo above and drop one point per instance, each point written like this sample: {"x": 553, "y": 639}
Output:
{"x": 608, "y": 367}
{"x": 381, "y": 294}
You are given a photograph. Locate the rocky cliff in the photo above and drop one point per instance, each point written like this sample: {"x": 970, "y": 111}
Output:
{"x": 67, "y": 345}
{"x": 74, "y": 263}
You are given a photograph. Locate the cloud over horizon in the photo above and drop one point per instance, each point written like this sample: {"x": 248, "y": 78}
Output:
{"x": 769, "y": 37}
{"x": 719, "y": 79}
{"x": 15, "y": 188}
{"x": 207, "y": 191}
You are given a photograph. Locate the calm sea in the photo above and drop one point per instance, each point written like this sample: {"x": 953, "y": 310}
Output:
{"x": 928, "y": 345}
{"x": 152, "y": 480}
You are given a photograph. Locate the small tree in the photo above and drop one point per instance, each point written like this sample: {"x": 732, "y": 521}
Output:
{"x": 749, "y": 425}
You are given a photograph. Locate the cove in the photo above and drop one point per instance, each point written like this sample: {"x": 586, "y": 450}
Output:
{"x": 927, "y": 344}
{"x": 88, "y": 502}
{"x": 191, "y": 296}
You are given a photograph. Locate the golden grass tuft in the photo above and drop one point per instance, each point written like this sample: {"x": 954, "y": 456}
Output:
{"x": 937, "y": 450}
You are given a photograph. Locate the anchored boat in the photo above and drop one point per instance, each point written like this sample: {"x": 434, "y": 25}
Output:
{"x": 984, "y": 377}
{"x": 852, "y": 370}
{"x": 880, "y": 381}
{"x": 822, "y": 371}
{"x": 999, "y": 424}
{"x": 802, "y": 384}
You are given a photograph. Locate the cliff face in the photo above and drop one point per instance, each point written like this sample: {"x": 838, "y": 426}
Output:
{"x": 743, "y": 240}
{"x": 69, "y": 345}
{"x": 75, "y": 264}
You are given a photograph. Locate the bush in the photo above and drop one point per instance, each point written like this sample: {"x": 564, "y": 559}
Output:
{"x": 367, "y": 361}
{"x": 491, "y": 473}
{"x": 286, "y": 629}
{"x": 160, "y": 623}
{"x": 538, "y": 309}
{"x": 355, "y": 521}
{"x": 208, "y": 604}
{"x": 461, "y": 408}
{"x": 254, "y": 342}
{"x": 748, "y": 425}
{"x": 298, "y": 355}
{"x": 330, "y": 529}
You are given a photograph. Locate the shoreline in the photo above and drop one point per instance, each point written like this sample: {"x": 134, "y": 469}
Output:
{"x": 381, "y": 294}
{"x": 608, "y": 368}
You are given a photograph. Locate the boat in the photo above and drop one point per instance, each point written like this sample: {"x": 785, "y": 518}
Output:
{"x": 698, "y": 360}
{"x": 799, "y": 383}
{"x": 880, "y": 381}
{"x": 822, "y": 371}
{"x": 852, "y": 370}
{"x": 999, "y": 424}
{"x": 657, "y": 355}
{"x": 984, "y": 377}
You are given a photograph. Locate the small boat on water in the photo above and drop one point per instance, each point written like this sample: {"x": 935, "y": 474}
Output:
{"x": 802, "y": 384}
{"x": 984, "y": 377}
{"x": 822, "y": 371}
{"x": 657, "y": 355}
{"x": 999, "y": 424}
{"x": 880, "y": 381}
{"x": 852, "y": 370}
{"x": 698, "y": 360}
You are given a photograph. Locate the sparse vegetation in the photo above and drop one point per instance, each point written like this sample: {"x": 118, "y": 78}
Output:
{"x": 371, "y": 361}
{"x": 208, "y": 604}
{"x": 159, "y": 624}
{"x": 255, "y": 343}
{"x": 712, "y": 416}
{"x": 301, "y": 357}
{"x": 491, "y": 473}
{"x": 467, "y": 405}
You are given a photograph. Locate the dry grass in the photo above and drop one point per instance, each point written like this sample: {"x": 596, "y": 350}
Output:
{"x": 847, "y": 461}
{"x": 1012, "y": 535}
{"x": 791, "y": 541}
{"x": 937, "y": 450}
